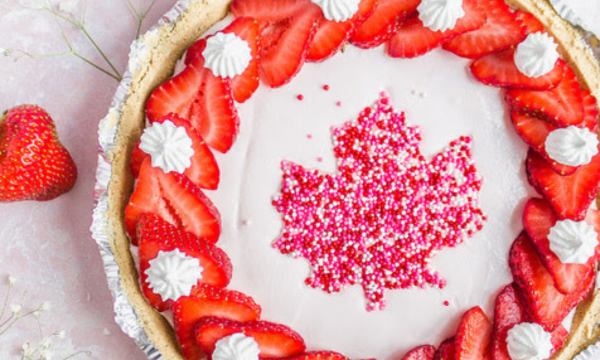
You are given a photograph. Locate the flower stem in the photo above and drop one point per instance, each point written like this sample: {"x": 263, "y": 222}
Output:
{"x": 5, "y": 304}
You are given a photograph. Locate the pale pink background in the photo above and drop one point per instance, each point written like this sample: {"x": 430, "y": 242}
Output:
{"x": 47, "y": 246}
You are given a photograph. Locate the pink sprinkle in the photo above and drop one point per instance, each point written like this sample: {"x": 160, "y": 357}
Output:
{"x": 309, "y": 136}
{"x": 326, "y": 87}
{"x": 378, "y": 222}
{"x": 339, "y": 103}
{"x": 320, "y": 159}
{"x": 300, "y": 97}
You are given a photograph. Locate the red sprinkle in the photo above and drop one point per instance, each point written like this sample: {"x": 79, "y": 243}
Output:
{"x": 379, "y": 221}
{"x": 446, "y": 303}
{"x": 326, "y": 87}
{"x": 300, "y": 97}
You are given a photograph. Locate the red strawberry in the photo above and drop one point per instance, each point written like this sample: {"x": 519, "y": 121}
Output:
{"x": 34, "y": 165}
{"x": 499, "y": 69}
{"x": 538, "y": 219}
{"x": 508, "y": 313}
{"x": 423, "y": 352}
{"x": 531, "y": 23}
{"x": 202, "y": 98}
{"x": 590, "y": 111}
{"x": 535, "y": 131}
{"x": 446, "y": 350}
{"x": 474, "y": 336}
{"x": 413, "y": 39}
{"x": 543, "y": 302}
{"x": 569, "y": 196}
{"x": 287, "y": 28}
{"x": 331, "y": 35}
{"x": 156, "y": 235}
{"x": 176, "y": 199}
{"x": 203, "y": 171}
{"x": 245, "y": 84}
{"x": 274, "y": 340}
{"x": 204, "y": 301}
{"x": 561, "y": 106}
{"x": 501, "y": 31}
{"x": 381, "y": 25}
{"x": 319, "y": 355}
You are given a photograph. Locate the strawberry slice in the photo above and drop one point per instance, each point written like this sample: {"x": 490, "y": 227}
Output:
{"x": 561, "y": 106}
{"x": 474, "y": 336}
{"x": 538, "y": 219}
{"x": 382, "y": 23}
{"x": 499, "y": 69}
{"x": 569, "y": 196}
{"x": 531, "y": 23}
{"x": 509, "y": 312}
{"x": 446, "y": 350}
{"x": 203, "y": 170}
{"x": 331, "y": 35}
{"x": 544, "y": 303}
{"x": 202, "y": 98}
{"x": 156, "y": 235}
{"x": 423, "y": 352}
{"x": 206, "y": 300}
{"x": 268, "y": 10}
{"x": 590, "y": 111}
{"x": 501, "y": 31}
{"x": 274, "y": 340}
{"x": 319, "y": 355}
{"x": 413, "y": 39}
{"x": 176, "y": 199}
{"x": 535, "y": 131}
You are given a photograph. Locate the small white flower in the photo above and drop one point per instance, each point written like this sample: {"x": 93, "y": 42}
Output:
{"x": 27, "y": 351}
{"x": 60, "y": 334}
{"x": 36, "y": 314}
{"x": 45, "y": 306}
{"x": 11, "y": 279}
{"x": 46, "y": 355}
{"x": 46, "y": 343}
{"x": 16, "y": 309}
{"x": 67, "y": 7}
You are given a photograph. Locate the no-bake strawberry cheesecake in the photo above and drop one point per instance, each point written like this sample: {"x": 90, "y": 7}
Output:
{"x": 334, "y": 179}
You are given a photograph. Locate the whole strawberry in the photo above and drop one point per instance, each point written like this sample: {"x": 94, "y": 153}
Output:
{"x": 33, "y": 163}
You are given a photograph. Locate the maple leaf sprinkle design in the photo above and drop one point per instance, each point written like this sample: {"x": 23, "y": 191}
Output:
{"x": 384, "y": 215}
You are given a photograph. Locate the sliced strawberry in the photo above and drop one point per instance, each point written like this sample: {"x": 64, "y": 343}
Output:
{"x": 446, "y": 350}
{"x": 331, "y": 35}
{"x": 174, "y": 198}
{"x": 474, "y": 336}
{"x": 195, "y": 51}
{"x": 413, "y": 39}
{"x": 509, "y": 312}
{"x": 538, "y": 219}
{"x": 535, "y": 131}
{"x": 155, "y": 235}
{"x": 499, "y": 69}
{"x": 137, "y": 158}
{"x": 204, "y": 301}
{"x": 319, "y": 355}
{"x": 544, "y": 304}
{"x": 203, "y": 170}
{"x": 274, "y": 340}
{"x": 423, "y": 352}
{"x": 381, "y": 25}
{"x": 268, "y": 10}
{"x": 202, "y": 98}
{"x": 569, "y": 196}
{"x": 590, "y": 111}
{"x": 561, "y": 106}
{"x": 531, "y": 23}
{"x": 501, "y": 31}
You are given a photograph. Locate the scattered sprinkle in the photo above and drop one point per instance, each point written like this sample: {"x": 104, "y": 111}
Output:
{"x": 319, "y": 159}
{"x": 339, "y": 103}
{"x": 309, "y": 136}
{"x": 300, "y": 97}
{"x": 326, "y": 87}
{"x": 446, "y": 303}
{"x": 381, "y": 219}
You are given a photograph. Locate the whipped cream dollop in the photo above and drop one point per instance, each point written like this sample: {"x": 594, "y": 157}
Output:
{"x": 440, "y": 15}
{"x": 573, "y": 146}
{"x": 236, "y": 347}
{"x": 574, "y": 242}
{"x": 529, "y": 341}
{"x": 592, "y": 352}
{"x": 536, "y": 55}
{"x": 169, "y": 146}
{"x": 173, "y": 274}
{"x": 338, "y": 10}
{"x": 226, "y": 55}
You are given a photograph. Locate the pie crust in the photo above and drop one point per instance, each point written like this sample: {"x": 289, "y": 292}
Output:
{"x": 169, "y": 44}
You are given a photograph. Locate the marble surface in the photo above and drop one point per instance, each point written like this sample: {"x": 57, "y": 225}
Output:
{"x": 47, "y": 246}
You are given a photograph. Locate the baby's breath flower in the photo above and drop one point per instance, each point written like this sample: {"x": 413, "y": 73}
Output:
{"x": 26, "y": 351}
{"x": 45, "y": 306}
{"x": 60, "y": 334}
{"x": 46, "y": 343}
{"x": 36, "y": 314}
{"x": 46, "y": 354}
{"x": 67, "y": 7}
{"x": 16, "y": 309}
{"x": 11, "y": 279}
